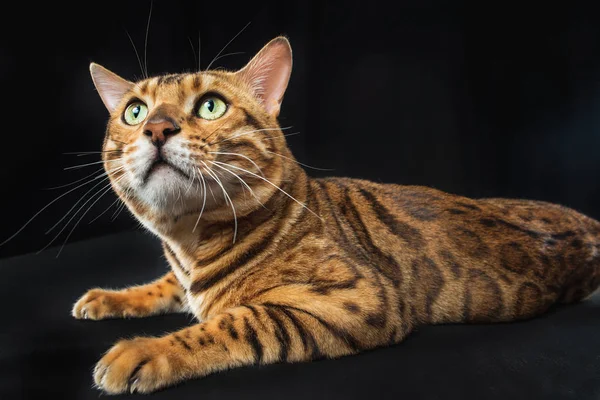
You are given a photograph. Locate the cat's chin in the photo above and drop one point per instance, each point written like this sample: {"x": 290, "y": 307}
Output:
{"x": 166, "y": 187}
{"x": 161, "y": 173}
{"x": 170, "y": 192}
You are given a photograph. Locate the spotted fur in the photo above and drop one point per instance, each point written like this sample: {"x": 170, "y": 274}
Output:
{"x": 329, "y": 268}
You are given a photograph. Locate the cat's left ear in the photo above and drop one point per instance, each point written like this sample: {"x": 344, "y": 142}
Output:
{"x": 110, "y": 86}
{"x": 268, "y": 73}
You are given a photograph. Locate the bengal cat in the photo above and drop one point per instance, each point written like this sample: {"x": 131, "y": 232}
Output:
{"x": 279, "y": 267}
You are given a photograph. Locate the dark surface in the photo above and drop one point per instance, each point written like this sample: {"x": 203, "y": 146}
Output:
{"x": 45, "y": 353}
{"x": 482, "y": 99}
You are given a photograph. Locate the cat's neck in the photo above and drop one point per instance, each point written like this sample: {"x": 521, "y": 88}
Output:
{"x": 217, "y": 226}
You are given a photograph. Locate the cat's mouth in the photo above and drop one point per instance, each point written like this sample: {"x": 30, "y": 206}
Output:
{"x": 159, "y": 164}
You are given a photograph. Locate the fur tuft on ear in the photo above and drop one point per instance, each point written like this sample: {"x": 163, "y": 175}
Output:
{"x": 110, "y": 86}
{"x": 268, "y": 73}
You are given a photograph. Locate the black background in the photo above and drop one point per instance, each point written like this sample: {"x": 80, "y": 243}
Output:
{"x": 478, "y": 100}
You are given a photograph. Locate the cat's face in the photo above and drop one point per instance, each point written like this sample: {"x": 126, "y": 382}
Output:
{"x": 173, "y": 139}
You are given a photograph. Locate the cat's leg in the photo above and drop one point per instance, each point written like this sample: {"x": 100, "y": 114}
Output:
{"x": 245, "y": 335}
{"x": 161, "y": 296}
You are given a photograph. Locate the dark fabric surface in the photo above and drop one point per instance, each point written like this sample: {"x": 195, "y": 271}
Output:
{"x": 44, "y": 352}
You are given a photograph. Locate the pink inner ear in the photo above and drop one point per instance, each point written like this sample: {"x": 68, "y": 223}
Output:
{"x": 268, "y": 74}
{"x": 110, "y": 86}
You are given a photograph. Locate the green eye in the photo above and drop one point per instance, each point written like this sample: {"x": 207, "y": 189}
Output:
{"x": 135, "y": 113}
{"x": 212, "y": 108}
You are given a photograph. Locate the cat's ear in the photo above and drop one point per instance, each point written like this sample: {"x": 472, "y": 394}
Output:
{"x": 268, "y": 73}
{"x": 110, "y": 86}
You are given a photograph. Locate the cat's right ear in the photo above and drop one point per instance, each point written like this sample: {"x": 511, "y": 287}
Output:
{"x": 110, "y": 86}
{"x": 268, "y": 73}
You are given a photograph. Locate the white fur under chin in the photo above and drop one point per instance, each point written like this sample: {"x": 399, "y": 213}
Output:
{"x": 166, "y": 189}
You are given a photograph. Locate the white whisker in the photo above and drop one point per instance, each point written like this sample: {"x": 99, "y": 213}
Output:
{"x": 75, "y": 205}
{"x": 177, "y": 199}
{"x": 146, "y": 41}
{"x": 199, "y": 52}
{"x": 203, "y": 201}
{"x": 92, "y": 163}
{"x": 79, "y": 201}
{"x": 191, "y": 181}
{"x": 239, "y": 155}
{"x": 226, "y": 55}
{"x": 249, "y": 132}
{"x": 216, "y": 179}
{"x": 298, "y": 162}
{"x": 106, "y": 190}
{"x": 105, "y": 211}
{"x": 49, "y": 204}
{"x": 120, "y": 208}
{"x": 73, "y": 216}
{"x": 241, "y": 180}
{"x": 86, "y": 153}
{"x": 137, "y": 55}
{"x": 194, "y": 51}
{"x": 226, "y": 197}
{"x": 275, "y": 137}
{"x": 228, "y": 43}
{"x": 77, "y": 181}
{"x": 212, "y": 193}
{"x": 225, "y": 177}
{"x": 274, "y": 185}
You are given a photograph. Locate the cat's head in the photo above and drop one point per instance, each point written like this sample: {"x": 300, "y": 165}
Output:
{"x": 173, "y": 139}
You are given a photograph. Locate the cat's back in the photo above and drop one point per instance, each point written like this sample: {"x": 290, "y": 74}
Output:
{"x": 507, "y": 238}
{"x": 435, "y": 209}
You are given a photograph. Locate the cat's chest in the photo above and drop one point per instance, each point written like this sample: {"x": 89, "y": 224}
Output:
{"x": 183, "y": 277}
{"x": 182, "y": 266}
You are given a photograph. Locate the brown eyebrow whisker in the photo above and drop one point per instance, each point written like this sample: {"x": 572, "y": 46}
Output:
{"x": 213, "y": 132}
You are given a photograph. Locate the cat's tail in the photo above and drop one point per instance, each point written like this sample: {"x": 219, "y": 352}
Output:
{"x": 581, "y": 289}
{"x": 584, "y": 280}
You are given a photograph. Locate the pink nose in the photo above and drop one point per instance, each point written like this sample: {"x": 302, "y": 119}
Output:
{"x": 160, "y": 129}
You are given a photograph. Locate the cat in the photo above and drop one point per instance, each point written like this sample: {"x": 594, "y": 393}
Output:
{"x": 280, "y": 267}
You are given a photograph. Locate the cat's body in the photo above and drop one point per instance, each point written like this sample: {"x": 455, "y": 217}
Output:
{"x": 308, "y": 268}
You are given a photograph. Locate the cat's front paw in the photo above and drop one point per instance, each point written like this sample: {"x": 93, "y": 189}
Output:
{"x": 100, "y": 304}
{"x": 141, "y": 365}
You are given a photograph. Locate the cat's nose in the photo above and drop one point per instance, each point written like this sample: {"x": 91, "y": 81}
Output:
{"x": 160, "y": 129}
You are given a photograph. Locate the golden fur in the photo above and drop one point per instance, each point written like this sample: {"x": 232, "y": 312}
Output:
{"x": 319, "y": 267}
